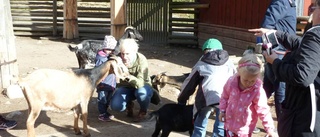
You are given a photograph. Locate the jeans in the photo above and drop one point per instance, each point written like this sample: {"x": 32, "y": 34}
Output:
{"x": 201, "y": 121}
{"x": 271, "y": 85}
{"x": 104, "y": 98}
{"x": 218, "y": 127}
{"x": 123, "y": 95}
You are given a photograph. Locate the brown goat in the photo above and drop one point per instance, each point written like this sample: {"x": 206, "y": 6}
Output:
{"x": 65, "y": 90}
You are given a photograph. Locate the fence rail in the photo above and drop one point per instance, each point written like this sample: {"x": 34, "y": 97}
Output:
{"x": 45, "y": 18}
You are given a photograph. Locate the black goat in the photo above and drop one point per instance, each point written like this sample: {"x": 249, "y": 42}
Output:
{"x": 173, "y": 117}
{"x": 87, "y": 50}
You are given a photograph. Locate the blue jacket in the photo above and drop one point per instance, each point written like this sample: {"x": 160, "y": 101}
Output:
{"x": 109, "y": 83}
{"x": 281, "y": 15}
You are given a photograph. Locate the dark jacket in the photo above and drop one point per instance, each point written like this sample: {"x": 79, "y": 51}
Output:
{"x": 299, "y": 69}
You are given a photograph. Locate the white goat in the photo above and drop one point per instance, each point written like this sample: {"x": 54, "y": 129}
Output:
{"x": 65, "y": 90}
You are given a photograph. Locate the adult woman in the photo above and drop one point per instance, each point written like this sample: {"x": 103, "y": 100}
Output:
{"x": 300, "y": 70}
{"x": 137, "y": 85}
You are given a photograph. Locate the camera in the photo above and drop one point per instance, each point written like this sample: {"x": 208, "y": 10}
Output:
{"x": 269, "y": 42}
{"x": 260, "y": 47}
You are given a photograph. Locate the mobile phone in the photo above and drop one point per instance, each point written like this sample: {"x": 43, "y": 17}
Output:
{"x": 270, "y": 37}
{"x": 267, "y": 47}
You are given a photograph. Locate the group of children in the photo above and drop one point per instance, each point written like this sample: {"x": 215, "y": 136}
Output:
{"x": 236, "y": 95}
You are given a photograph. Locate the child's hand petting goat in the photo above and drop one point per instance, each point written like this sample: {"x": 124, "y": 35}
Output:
{"x": 63, "y": 90}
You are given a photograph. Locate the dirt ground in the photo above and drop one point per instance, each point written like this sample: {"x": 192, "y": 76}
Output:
{"x": 34, "y": 53}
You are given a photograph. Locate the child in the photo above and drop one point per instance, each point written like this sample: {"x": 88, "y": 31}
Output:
{"x": 106, "y": 88}
{"x": 243, "y": 100}
{"x": 7, "y": 124}
{"x": 210, "y": 74}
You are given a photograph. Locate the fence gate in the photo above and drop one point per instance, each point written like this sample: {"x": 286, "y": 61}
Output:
{"x": 150, "y": 17}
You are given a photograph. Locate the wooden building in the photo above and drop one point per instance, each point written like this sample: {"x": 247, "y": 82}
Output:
{"x": 229, "y": 20}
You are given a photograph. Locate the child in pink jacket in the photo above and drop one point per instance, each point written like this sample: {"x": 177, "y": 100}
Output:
{"x": 244, "y": 100}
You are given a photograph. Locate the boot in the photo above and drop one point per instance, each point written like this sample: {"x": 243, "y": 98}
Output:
{"x": 141, "y": 116}
{"x": 130, "y": 106}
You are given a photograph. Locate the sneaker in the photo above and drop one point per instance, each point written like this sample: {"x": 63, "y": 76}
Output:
{"x": 107, "y": 117}
{"x": 256, "y": 130}
{"x": 129, "y": 109}
{"x": 141, "y": 116}
{"x": 7, "y": 124}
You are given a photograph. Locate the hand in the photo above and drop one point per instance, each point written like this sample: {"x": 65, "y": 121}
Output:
{"x": 270, "y": 58}
{"x": 272, "y": 134}
{"x": 182, "y": 103}
{"x": 222, "y": 117}
{"x": 260, "y": 31}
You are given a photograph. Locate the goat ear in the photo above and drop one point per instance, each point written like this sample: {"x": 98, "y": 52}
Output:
{"x": 118, "y": 71}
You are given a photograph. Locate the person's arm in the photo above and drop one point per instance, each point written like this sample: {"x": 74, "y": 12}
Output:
{"x": 307, "y": 63}
{"x": 289, "y": 41}
{"x": 189, "y": 85}
{"x": 263, "y": 110}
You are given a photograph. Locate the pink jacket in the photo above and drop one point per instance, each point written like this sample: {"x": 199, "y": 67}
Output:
{"x": 243, "y": 108}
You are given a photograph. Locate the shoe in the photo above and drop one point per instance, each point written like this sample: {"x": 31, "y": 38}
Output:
{"x": 7, "y": 124}
{"x": 256, "y": 130}
{"x": 130, "y": 106}
{"x": 141, "y": 116}
{"x": 107, "y": 117}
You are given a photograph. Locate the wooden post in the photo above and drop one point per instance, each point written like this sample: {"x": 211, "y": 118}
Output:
{"x": 8, "y": 58}
{"x": 70, "y": 22}
{"x": 118, "y": 18}
{"x": 55, "y": 16}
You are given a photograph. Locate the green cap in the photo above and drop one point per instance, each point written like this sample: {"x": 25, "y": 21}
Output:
{"x": 213, "y": 44}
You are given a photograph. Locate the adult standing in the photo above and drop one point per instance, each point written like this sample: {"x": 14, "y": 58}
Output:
{"x": 137, "y": 85}
{"x": 280, "y": 15}
{"x": 300, "y": 70}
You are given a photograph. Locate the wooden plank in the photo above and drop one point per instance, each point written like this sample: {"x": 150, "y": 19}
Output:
{"x": 118, "y": 18}
{"x": 184, "y": 11}
{"x": 189, "y": 5}
{"x": 9, "y": 66}
{"x": 184, "y": 20}
{"x": 182, "y": 37}
{"x": 70, "y": 27}
{"x": 182, "y": 25}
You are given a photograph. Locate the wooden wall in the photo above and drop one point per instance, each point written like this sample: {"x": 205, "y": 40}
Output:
{"x": 229, "y": 20}
{"x": 234, "y": 13}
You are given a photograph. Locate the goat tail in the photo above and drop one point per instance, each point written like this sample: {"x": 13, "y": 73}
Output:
{"x": 73, "y": 49}
{"x": 153, "y": 115}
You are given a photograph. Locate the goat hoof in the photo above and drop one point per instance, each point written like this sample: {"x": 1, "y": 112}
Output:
{"x": 78, "y": 132}
{"x": 87, "y": 135}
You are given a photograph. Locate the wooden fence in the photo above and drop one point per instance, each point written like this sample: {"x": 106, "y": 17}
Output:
{"x": 183, "y": 22}
{"x": 45, "y": 18}
{"x": 160, "y": 22}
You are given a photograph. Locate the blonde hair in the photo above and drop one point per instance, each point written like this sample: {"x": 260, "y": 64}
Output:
{"x": 251, "y": 63}
{"x": 129, "y": 44}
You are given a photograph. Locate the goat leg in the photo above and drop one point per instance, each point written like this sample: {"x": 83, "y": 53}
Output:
{"x": 157, "y": 129}
{"x": 33, "y": 115}
{"x": 84, "y": 112}
{"x": 76, "y": 112}
{"x": 166, "y": 131}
